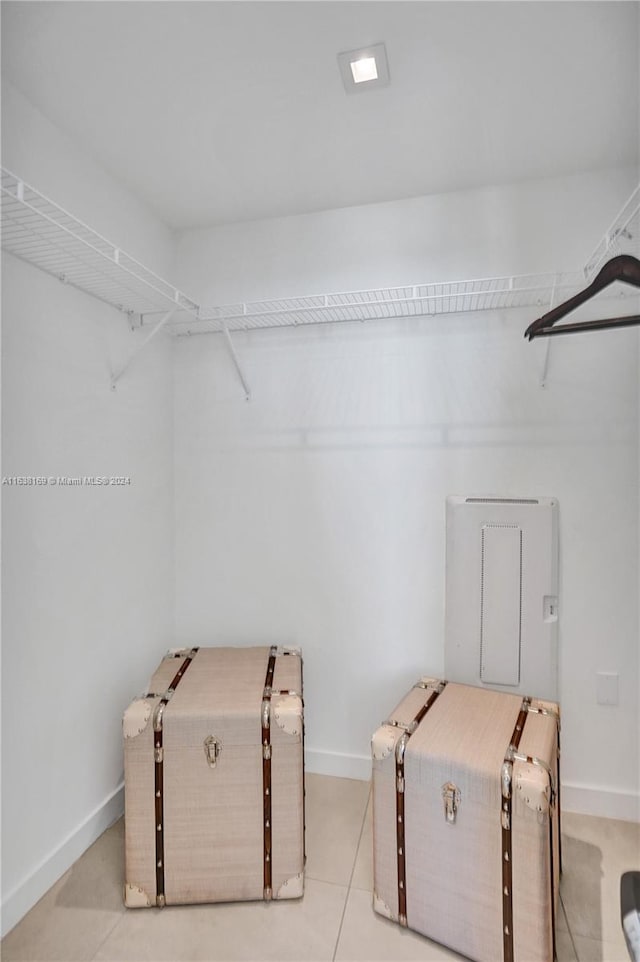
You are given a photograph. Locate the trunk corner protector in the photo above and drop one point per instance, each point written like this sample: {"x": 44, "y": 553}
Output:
{"x": 287, "y": 713}
{"x": 437, "y": 684}
{"x": 381, "y": 907}
{"x": 383, "y": 742}
{"x": 135, "y": 897}
{"x": 292, "y": 888}
{"x": 288, "y": 650}
{"x": 136, "y": 718}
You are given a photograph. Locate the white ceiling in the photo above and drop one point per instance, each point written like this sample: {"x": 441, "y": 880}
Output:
{"x": 216, "y": 112}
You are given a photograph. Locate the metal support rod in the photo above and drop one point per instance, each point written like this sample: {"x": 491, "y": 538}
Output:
{"x": 236, "y": 362}
{"x": 545, "y": 369}
{"x": 161, "y": 323}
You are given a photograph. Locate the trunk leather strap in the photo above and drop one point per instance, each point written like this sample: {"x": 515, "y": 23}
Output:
{"x": 400, "y": 793}
{"x": 505, "y": 819}
{"x": 551, "y": 842}
{"x": 159, "y": 775}
{"x": 553, "y": 881}
{"x": 266, "y": 771}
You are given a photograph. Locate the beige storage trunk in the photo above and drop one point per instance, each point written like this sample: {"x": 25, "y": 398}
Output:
{"x": 214, "y": 779}
{"x": 466, "y": 820}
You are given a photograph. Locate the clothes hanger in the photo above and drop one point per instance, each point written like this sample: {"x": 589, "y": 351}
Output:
{"x": 624, "y": 267}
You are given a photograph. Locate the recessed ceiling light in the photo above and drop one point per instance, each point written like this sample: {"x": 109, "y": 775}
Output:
{"x": 364, "y": 68}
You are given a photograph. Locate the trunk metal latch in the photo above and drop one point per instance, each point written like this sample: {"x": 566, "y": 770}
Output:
{"x": 212, "y": 749}
{"x": 451, "y": 798}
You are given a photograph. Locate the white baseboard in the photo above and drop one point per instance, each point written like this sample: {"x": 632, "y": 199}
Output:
{"x": 319, "y": 762}
{"x": 24, "y": 896}
{"x": 603, "y": 802}
{"x": 582, "y": 799}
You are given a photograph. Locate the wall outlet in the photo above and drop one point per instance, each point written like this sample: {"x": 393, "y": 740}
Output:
{"x": 607, "y": 687}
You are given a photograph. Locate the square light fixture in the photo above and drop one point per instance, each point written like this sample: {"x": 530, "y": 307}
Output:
{"x": 364, "y": 69}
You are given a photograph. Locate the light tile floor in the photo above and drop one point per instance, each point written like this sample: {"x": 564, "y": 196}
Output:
{"x": 82, "y": 917}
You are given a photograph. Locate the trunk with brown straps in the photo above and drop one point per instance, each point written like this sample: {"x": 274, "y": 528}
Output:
{"x": 214, "y": 779}
{"x": 466, "y": 820}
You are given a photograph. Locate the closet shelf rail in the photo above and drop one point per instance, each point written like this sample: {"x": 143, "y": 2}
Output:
{"x": 40, "y": 232}
{"x": 452, "y": 297}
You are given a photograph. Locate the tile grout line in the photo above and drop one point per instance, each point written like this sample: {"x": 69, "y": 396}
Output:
{"x": 566, "y": 919}
{"x": 353, "y": 869}
{"x": 120, "y": 919}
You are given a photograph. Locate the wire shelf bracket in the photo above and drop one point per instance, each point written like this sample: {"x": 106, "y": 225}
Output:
{"x": 547, "y": 353}
{"x": 158, "y": 327}
{"x": 236, "y": 362}
{"x": 40, "y": 232}
{"x": 622, "y": 237}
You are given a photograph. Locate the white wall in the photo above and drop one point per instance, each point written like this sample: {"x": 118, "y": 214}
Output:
{"x": 87, "y": 571}
{"x": 314, "y": 514}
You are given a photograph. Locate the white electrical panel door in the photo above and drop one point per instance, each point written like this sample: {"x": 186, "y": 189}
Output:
{"x": 501, "y": 624}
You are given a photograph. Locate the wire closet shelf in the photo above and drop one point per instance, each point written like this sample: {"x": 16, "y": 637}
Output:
{"x": 450, "y": 297}
{"x": 42, "y": 233}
